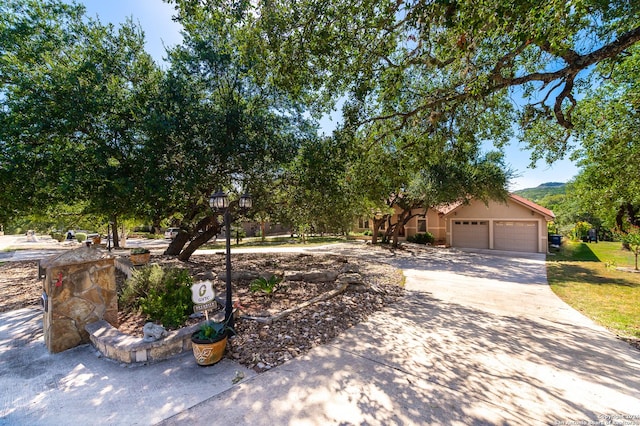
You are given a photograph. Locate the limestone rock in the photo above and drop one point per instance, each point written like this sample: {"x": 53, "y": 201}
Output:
{"x": 350, "y": 278}
{"x": 312, "y": 276}
{"x": 239, "y": 275}
{"x": 350, "y": 268}
{"x": 153, "y": 332}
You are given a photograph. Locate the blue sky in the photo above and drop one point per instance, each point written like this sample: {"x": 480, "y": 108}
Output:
{"x": 154, "y": 16}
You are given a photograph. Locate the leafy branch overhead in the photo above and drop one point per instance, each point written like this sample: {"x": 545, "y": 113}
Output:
{"x": 414, "y": 59}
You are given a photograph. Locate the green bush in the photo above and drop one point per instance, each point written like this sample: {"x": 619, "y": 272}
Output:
{"x": 267, "y": 286}
{"x": 140, "y": 250}
{"x": 368, "y": 232}
{"x": 162, "y": 294}
{"x": 421, "y": 238}
{"x": 58, "y": 236}
{"x": 81, "y": 236}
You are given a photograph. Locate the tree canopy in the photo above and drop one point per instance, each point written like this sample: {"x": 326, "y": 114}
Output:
{"x": 415, "y": 59}
{"x": 87, "y": 118}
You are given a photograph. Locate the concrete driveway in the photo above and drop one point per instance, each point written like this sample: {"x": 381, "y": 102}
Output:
{"x": 479, "y": 339}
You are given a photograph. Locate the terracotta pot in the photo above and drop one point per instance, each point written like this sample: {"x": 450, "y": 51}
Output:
{"x": 140, "y": 259}
{"x": 207, "y": 352}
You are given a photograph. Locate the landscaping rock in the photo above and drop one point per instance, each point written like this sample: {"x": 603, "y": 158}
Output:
{"x": 153, "y": 332}
{"x": 311, "y": 276}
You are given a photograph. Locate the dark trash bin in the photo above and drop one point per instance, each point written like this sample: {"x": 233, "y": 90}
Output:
{"x": 555, "y": 240}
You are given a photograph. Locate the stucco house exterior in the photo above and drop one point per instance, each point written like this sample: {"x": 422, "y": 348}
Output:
{"x": 517, "y": 224}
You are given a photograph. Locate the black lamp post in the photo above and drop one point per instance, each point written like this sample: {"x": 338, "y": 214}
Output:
{"x": 220, "y": 202}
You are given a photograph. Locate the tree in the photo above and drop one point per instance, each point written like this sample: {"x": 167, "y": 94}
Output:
{"x": 464, "y": 51}
{"x": 217, "y": 125}
{"x": 314, "y": 194}
{"x": 432, "y": 163}
{"x": 75, "y": 94}
{"x": 34, "y": 38}
{"x": 632, "y": 239}
{"x": 607, "y": 122}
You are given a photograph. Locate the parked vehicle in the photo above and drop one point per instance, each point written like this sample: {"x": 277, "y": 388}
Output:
{"x": 171, "y": 233}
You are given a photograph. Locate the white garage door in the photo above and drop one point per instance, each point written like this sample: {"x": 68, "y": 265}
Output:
{"x": 471, "y": 233}
{"x": 515, "y": 236}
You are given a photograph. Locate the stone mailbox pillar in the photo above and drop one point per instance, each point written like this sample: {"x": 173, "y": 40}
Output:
{"x": 79, "y": 288}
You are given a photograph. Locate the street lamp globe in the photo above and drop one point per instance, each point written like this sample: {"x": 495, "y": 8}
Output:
{"x": 245, "y": 202}
{"x": 219, "y": 201}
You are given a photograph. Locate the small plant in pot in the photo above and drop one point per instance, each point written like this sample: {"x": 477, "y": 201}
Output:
{"x": 140, "y": 256}
{"x": 210, "y": 341}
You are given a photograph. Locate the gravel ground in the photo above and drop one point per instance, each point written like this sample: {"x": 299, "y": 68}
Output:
{"x": 257, "y": 345}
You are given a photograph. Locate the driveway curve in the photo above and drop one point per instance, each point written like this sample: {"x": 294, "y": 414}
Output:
{"x": 479, "y": 339}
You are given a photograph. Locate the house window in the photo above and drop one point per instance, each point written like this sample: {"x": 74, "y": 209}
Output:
{"x": 363, "y": 223}
{"x": 422, "y": 225}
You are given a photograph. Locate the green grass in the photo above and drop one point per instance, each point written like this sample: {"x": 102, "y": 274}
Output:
{"x": 584, "y": 275}
{"x": 275, "y": 242}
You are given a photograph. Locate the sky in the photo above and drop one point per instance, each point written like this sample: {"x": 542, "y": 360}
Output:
{"x": 154, "y": 16}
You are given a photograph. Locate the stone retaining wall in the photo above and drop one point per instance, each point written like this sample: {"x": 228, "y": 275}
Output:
{"x": 125, "y": 348}
{"x": 122, "y": 347}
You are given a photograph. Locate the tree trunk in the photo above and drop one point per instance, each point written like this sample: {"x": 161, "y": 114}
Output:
{"x": 377, "y": 223}
{"x": 389, "y": 231}
{"x": 619, "y": 217}
{"x": 263, "y": 229}
{"x": 155, "y": 228}
{"x": 197, "y": 242}
{"x": 396, "y": 235}
{"x": 632, "y": 215}
{"x": 403, "y": 219}
{"x": 114, "y": 232}
{"x": 176, "y": 245}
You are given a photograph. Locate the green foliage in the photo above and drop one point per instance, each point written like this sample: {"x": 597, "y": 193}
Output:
{"x": 314, "y": 195}
{"x": 575, "y": 252}
{"x": 606, "y": 295}
{"x": 580, "y": 230}
{"x": 543, "y": 192}
{"x": 421, "y": 238}
{"x": 632, "y": 239}
{"x": 58, "y": 236}
{"x": 139, "y": 250}
{"x": 213, "y": 331}
{"x": 265, "y": 285}
{"x": 162, "y": 294}
{"x": 81, "y": 236}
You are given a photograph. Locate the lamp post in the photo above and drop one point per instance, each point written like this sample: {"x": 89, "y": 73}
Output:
{"x": 220, "y": 202}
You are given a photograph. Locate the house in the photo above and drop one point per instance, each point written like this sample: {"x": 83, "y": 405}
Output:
{"x": 516, "y": 224}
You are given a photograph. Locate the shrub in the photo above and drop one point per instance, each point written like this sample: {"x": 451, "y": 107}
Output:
{"x": 162, "y": 294}
{"x": 81, "y": 236}
{"x": 368, "y": 232}
{"x": 267, "y": 286}
{"x": 58, "y": 236}
{"x": 140, "y": 250}
{"x": 421, "y": 238}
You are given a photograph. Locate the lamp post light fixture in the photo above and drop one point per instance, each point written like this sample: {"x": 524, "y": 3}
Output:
{"x": 219, "y": 202}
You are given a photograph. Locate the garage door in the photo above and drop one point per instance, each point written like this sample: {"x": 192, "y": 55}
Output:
{"x": 515, "y": 236}
{"x": 471, "y": 233}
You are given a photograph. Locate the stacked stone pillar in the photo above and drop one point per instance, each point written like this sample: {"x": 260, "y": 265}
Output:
{"x": 79, "y": 289}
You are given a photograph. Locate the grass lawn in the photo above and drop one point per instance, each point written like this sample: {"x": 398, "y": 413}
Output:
{"x": 585, "y": 276}
{"x": 274, "y": 242}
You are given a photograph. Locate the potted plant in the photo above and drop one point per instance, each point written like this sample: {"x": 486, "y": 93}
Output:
{"x": 140, "y": 256}
{"x": 210, "y": 342}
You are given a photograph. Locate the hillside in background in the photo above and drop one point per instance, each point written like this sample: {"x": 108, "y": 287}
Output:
{"x": 539, "y": 193}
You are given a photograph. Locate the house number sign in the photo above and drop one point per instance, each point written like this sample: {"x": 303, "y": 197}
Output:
{"x": 202, "y": 292}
